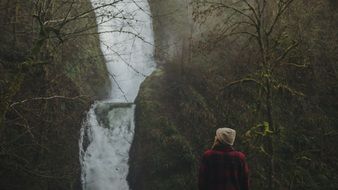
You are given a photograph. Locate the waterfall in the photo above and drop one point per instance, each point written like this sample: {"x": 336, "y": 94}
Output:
{"x": 126, "y": 37}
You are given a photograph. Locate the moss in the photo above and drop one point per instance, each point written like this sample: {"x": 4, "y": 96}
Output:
{"x": 159, "y": 148}
{"x": 81, "y": 59}
{"x": 86, "y": 67}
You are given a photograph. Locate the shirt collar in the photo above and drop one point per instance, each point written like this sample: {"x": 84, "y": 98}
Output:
{"x": 224, "y": 148}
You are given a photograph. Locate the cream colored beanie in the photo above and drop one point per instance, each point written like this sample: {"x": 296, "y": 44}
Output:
{"x": 226, "y": 135}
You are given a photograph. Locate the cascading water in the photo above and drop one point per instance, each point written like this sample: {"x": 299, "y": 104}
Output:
{"x": 126, "y": 35}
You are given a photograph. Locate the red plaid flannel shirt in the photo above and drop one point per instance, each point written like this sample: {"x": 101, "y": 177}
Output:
{"x": 223, "y": 168}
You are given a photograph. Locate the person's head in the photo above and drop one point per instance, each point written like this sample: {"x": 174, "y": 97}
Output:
{"x": 225, "y": 136}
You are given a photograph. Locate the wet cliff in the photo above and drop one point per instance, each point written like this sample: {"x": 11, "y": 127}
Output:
{"x": 161, "y": 156}
{"x": 51, "y": 71}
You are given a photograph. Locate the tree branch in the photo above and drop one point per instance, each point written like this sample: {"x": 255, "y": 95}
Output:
{"x": 118, "y": 86}
{"x": 281, "y": 10}
{"x": 222, "y": 5}
{"x": 240, "y": 81}
{"x": 46, "y": 98}
{"x": 287, "y": 51}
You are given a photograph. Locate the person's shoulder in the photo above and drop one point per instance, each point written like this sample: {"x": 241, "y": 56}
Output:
{"x": 208, "y": 153}
{"x": 233, "y": 153}
{"x": 239, "y": 154}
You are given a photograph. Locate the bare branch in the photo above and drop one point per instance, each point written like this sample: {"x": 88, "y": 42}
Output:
{"x": 26, "y": 125}
{"x": 281, "y": 10}
{"x": 241, "y": 32}
{"x": 81, "y": 33}
{"x": 138, "y": 6}
{"x": 241, "y": 12}
{"x": 118, "y": 86}
{"x": 295, "y": 65}
{"x": 68, "y": 13}
{"x": 289, "y": 89}
{"x": 47, "y": 98}
{"x": 241, "y": 81}
{"x": 124, "y": 61}
{"x": 90, "y": 11}
{"x": 286, "y": 52}
{"x": 252, "y": 9}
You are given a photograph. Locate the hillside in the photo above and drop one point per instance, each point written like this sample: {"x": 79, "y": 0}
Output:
{"x": 51, "y": 71}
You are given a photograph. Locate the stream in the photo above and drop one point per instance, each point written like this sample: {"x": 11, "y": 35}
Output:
{"x": 126, "y": 38}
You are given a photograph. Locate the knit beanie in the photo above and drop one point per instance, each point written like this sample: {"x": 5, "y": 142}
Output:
{"x": 226, "y": 135}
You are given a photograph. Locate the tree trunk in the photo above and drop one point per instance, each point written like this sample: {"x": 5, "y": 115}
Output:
{"x": 271, "y": 184}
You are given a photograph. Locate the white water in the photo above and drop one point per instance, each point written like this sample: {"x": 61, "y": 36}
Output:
{"x": 107, "y": 134}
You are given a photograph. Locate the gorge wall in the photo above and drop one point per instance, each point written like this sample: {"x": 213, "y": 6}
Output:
{"x": 161, "y": 156}
{"x": 50, "y": 75}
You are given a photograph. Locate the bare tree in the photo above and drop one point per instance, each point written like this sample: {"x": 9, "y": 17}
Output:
{"x": 260, "y": 22}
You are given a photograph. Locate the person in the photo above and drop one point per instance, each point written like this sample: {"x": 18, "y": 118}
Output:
{"x": 222, "y": 167}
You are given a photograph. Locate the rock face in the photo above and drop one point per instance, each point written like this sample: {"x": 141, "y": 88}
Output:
{"x": 160, "y": 157}
{"x": 45, "y": 91}
{"x": 166, "y": 147}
